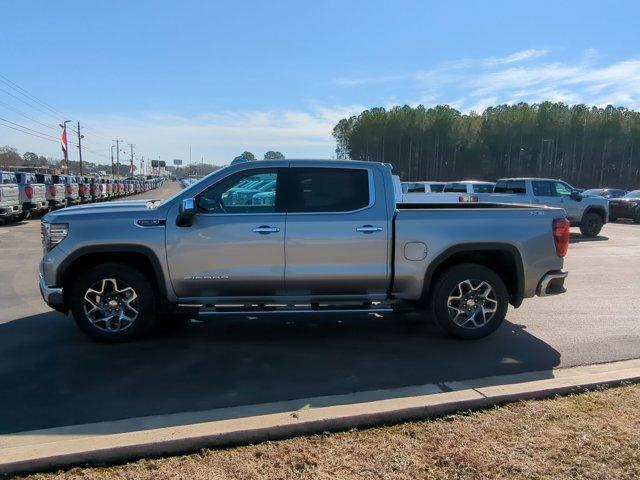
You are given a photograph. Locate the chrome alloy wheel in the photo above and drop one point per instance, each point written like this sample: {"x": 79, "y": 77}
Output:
{"x": 111, "y": 305}
{"x": 472, "y": 304}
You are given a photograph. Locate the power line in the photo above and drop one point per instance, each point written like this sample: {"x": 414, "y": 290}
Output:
{"x": 19, "y": 112}
{"x": 27, "y": 128}
{"x": 27, "y": 94}
{"x": 28, "y": 133}
{"x": 57, "y": 117}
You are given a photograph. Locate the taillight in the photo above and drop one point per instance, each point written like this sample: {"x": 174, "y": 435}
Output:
{"x": 28, "y": 191}
{"x": 561, "y": 234}
{"x": 81, "y": 189}
{"x": 92, "y": 189}
{"x": 52, "y": 190}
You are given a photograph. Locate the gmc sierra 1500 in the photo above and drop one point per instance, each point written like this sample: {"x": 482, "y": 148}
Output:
{"x": 332, "y": 240}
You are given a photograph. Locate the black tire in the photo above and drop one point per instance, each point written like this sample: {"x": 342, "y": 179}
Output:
{"x": 22, "y": 216}
{"x": 449, "y": 281}
{"x": 613, "y": 219}
{"x": 636, "y": 218}
{"x": 591, "y": 224}
{"x": 146, "y": 302}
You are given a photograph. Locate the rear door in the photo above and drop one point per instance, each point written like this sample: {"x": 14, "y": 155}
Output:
{"x": 337, "y": 232}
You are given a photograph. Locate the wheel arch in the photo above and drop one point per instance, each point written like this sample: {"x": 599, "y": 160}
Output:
{"x": 503, "y": 258}
{"x": 140, "y": 257}
{"x": 598, "y": 210}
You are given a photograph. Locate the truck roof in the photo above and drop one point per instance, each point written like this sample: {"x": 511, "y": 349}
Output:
{"x": 530, "y": 178}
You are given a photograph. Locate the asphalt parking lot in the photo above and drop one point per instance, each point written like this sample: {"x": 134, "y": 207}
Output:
{"x": 51, "y": 375}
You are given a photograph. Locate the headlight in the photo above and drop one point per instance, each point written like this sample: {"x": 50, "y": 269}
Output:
{"x": 634, "y": 204}
{"x": 53, "y": 234}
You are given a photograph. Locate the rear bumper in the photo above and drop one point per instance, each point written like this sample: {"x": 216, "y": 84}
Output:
{"x": 35, "y": 205}
{"x": 552, "y": 283}
{"x": 52, "y": 296}
{"x": 10, "y": 210}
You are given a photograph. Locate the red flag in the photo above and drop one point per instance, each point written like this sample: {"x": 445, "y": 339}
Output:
{"x": 63, "y": 141}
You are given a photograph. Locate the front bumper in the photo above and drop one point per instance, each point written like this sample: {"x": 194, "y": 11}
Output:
{"x": 552, "y": 283}
{"x": 52, "y": 296}
{"x": 623, "y": 212}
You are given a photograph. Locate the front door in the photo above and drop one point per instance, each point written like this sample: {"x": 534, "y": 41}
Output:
{"x": 235, "y": 245}
{"x": 337, "y": 232}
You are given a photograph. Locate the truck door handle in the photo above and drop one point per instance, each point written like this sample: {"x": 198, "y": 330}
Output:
{"x": 266, "y": 229}
{"x": 368, "y": 229}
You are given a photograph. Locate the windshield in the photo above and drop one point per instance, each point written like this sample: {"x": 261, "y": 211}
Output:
{"x": 633, "y": 194}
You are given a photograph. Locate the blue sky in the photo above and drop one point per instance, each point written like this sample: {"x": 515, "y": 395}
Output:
{"x": 224, "y": 77}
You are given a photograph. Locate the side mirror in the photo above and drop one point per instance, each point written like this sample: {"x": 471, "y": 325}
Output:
{"x": 187, "y": 212}
{"x": 576, "y": 195}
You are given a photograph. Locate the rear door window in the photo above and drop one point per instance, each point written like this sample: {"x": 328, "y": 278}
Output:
{"x": 483, "y": 188}
{"x": 511, "y": 186}
{"x": 312, "y": 189}
{"x": 455, "y": 188}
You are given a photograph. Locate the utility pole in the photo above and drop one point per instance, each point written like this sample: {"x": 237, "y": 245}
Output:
{"x": 113, "y": 172}
{"x": 117, "y": 154}
{"x": 80, "y": 137}
{"x": 131, "y": 145}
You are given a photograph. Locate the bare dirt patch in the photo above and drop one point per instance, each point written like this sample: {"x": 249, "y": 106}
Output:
{"x": 592, "y": 435}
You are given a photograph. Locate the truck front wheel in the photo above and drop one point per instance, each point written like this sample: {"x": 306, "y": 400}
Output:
{"x": 591, "y": 225}
{"x": 113, "y": 302}
{"x": 469, "y": 301}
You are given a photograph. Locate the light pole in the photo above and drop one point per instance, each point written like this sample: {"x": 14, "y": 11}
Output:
{"x": 65, "y": 150}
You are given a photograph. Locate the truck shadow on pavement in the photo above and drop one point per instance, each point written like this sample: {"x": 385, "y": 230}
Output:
{"x": 579, "y": 238}
{"x": 53, "y": 376}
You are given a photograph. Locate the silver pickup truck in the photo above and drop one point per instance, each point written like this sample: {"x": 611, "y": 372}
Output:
{"x": 10, "y": 206}
{"x": 588, "y": 213}
{"x": 333, "y": 241}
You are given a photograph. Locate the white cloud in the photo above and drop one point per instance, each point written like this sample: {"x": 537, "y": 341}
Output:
{"x": 216, "y": 136}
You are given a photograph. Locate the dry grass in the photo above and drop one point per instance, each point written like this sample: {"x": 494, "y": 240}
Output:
{"x": 594, "y": 435}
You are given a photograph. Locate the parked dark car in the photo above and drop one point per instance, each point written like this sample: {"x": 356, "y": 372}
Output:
{"x": 625, "y": 207}
{"x": 605, "y": 192}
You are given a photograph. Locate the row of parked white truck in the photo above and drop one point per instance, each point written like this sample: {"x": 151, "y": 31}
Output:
{"x": 23, "y": 194}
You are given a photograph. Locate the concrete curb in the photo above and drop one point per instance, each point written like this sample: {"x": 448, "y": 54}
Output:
{"x": 178, "y": 433}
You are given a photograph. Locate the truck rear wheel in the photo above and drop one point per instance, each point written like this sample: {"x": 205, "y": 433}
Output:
{"x": 469, "y": 301}
{"x": 113, "y": 302}
{"x": 591, "y": 225}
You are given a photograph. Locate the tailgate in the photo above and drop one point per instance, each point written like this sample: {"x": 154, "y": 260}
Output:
{"x": 39, "y": 191}
{"x": 9, "y": 194}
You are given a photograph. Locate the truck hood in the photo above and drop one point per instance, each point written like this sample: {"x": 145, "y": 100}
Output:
{"x": 107, "y": 208}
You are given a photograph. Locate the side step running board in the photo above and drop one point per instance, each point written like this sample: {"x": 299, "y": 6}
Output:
{"x": 225, "y": 312}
